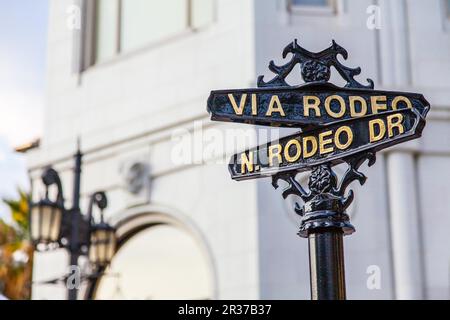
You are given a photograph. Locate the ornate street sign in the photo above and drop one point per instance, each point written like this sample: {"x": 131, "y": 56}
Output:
{"x": 346, "y": 124}
{"x": 329, "y": 144}
{"x": 335, "y": 122}
{"x": 316, "y": 103}
{"x": 308, "y": 105}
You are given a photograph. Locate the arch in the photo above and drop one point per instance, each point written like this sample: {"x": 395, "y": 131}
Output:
{"x": 134, "y": 220}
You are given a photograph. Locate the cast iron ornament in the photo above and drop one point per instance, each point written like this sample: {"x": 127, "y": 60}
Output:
{"x": 315, "y": 67}
{"x": 325, "y": 204}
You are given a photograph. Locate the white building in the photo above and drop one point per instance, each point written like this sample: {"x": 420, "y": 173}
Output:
{"x": 138, "y": 70}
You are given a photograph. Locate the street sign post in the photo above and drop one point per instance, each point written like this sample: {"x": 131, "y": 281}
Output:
{"x": 337, "y": 125}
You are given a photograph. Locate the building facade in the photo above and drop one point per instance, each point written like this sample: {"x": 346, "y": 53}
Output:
{"x": 130, "y": 78}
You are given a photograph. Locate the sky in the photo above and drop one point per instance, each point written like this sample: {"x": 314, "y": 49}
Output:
{"x": 23, "y": 39}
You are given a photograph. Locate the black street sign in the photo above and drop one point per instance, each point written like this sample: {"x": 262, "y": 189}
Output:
{"x": 346, "y": 124}
{"x": 330, "y": 144}
{"x": 308, "y": 105}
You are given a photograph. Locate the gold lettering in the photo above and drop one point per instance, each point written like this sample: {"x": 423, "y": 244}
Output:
{"x": 401, "y": 99}
{"x": 287, "y": 156}
{"x": 307, "y": 105}
{"x": 341, "y": 104}
{"x": 395, "y": 121}
{"x": 310, "y": 153}
{"x": 376, "y": 137}
{"x": 275, "y": 100}
{"x": 246, "y": 162}
{"x": 363, "y": 103}
{"x": 238, "y": 110}
{"x": 378, "y": 103}
{"x": 254, "y": 105}
{"x": 273, "y": 154}
{"x": 337, "y": 137}
{"x": 323, "y": 142}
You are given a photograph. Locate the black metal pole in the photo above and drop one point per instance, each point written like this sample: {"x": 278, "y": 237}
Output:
{"x": 326, "y": 262}
{"x": 325, "y": 222}
{"x": 74, "y": 246}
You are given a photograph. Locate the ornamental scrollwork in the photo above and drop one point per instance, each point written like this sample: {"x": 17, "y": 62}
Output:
{"x": 323, "y": 184}
{"x": 314, "y": 67}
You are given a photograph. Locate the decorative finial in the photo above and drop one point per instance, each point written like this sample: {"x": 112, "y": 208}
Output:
{"x": 315, "y": 67}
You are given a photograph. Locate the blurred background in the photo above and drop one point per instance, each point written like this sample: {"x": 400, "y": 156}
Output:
{"x": 121, "y": 79}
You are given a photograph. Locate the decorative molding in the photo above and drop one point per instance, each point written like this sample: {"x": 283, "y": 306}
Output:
{"x": 136, "y": 177}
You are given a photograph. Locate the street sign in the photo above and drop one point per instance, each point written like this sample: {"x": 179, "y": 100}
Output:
{"x": 346, "y": 124}
{"x": 325, "y": 114}
{"x": 329, "y": 144}
{"x": 308, "y": 105}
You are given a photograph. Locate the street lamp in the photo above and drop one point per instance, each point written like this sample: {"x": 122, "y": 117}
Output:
{"x": 103, "y": 237}
{"x": 53, "y": 225}
{"x": 46, "y": 217}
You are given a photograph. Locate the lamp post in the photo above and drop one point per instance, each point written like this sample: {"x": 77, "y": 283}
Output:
{"x": 55, "y": 226}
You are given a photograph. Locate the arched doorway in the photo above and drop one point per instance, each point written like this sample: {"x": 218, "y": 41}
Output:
{"x": 159, "y": 256}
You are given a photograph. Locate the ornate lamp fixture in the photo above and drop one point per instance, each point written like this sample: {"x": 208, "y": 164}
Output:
{"x": 46, "y": 215}
{"x": 103, "y": 236}
{"x": 55, "y": 226}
